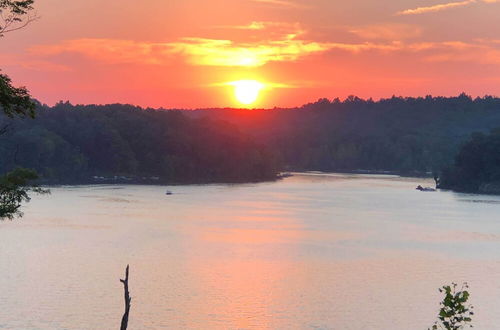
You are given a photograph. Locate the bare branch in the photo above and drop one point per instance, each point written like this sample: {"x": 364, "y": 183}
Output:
{"x": 124, "y": 323}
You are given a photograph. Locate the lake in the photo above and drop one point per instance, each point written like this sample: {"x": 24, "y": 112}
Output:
{"x": 312, "y": 251}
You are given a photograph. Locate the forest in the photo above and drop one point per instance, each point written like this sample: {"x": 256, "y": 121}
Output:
{"x": 122, "y": 143}
{"x": 477, "y": 166}
{"x": 107, "y": 143}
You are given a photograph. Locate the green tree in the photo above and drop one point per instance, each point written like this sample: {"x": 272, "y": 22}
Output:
{"x": 15, "y": 101}
{"x": 477, "y": 165}
{"x": 15, "y": 185}
{"x": 14, "y": 189}
{"x": 455, "y": 312}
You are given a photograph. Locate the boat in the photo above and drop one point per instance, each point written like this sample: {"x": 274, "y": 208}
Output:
{"x": 283, "y": 175}
{"x": 429, "y": 189}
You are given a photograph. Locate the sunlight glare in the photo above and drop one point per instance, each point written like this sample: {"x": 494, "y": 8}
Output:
{"x": 247, "y": 91}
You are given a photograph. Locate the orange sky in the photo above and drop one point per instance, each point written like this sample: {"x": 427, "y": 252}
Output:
{"x": 182, "y": 53}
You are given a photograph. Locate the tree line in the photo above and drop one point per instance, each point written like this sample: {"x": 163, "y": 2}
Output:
{"x": 82, "y": 144}
{"x": 77, "y": 143}
{"x": 408, "y": 136}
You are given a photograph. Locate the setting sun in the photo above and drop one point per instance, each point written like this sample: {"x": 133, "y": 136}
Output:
{"x": 247, "y": 91}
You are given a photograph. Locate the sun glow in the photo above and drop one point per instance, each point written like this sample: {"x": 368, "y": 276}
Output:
{"x": 247, "y": 91}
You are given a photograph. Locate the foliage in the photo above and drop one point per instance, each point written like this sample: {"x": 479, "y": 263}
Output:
{"x": 15, "y": 101}
{"x": 477, "y": 165}
{"x": 455, "y": 312}
{"x": 15, "y": 15}
{"x": 14, "y": 189}
{"x": 409, "y": 136}
{"x": 72, "y": 143}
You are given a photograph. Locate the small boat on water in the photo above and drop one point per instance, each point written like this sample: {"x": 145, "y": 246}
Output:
{"x": 283, "y": 175}
{"x": 168, "y": 192}
{"x": 420, "y": 188}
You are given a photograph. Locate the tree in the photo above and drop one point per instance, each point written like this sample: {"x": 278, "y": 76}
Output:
{"x": 15, "y": 185}
{"x": 15, "y": 101}
{"x": 455, "y": 312}
{"x": 15, "y": 15}
{"x": 14, "y": 189}
{"x": 477, "y": 166}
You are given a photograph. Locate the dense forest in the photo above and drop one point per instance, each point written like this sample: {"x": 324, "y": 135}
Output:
{"x": 476, "y": 167}
{"x": 75, "y": 143}
{"x": 409, "y": 136}
{"x": 81, "y": 144}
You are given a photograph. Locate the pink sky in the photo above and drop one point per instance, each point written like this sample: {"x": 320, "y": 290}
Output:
{"x": 181, "y": 53}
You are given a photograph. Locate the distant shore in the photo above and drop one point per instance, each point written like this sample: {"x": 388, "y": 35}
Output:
{"x": 158, "y": 181}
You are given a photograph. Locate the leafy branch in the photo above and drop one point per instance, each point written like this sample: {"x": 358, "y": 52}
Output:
{"x": 15, "y": 187}
{"x": 15, "y": 15}
{"x": 455, "y": 312}
{"x": 15, "y": 100}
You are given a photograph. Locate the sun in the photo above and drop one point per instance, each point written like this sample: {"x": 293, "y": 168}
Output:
{"x": 247, "y": 91}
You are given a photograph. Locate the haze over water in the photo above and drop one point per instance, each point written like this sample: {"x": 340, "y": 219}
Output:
{"x": 307, "y": 252}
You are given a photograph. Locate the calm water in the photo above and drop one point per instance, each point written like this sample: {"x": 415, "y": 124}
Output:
{"x": 307, "y": 252}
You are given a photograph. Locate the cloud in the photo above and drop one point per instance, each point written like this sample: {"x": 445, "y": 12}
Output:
{"x": 444, "y": 6}
{"x": 289, "y": 48}
{"x": 227, "y": 53}
{"x": 253, "y": 26}
{"x": 196, "y": 51}
{"x": 279, "y": 27}
{"x": 440, "y": 7}
{"x": 10, "y": 60}
{"x": 387, "y": 31}
{"x": 281, "y": 42}
{"x": 282, "y": 3}
{"x": 108, "y": 50}
{"x": 483, "y": 52}
{"x": 204, "y": 51}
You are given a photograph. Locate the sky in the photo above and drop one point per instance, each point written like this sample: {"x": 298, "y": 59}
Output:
{"x": 189, "y": 53}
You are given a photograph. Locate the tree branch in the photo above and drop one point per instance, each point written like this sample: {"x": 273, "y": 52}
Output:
{"x": 11, "y": 20}
{"x": 124, "y": 323}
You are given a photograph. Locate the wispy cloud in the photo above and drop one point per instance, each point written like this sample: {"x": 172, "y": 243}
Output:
{"x": 283, "y": 3}
{"x": 227, "y": 53}
{"x": 203, "y": 51}
{"x": 10, "y": 60}
{"x": 290, "y": 48}
{"x": 435, "y": 8}
{"x": 443, "y": 6}
{"x": 196, "y": 51}
{"x": 388, "y": 31}
{"x": 251, "y": 26}
{"x": 270, "y": 26}
{"x": 481, "y": 51}
{"x": 109, "y": 50}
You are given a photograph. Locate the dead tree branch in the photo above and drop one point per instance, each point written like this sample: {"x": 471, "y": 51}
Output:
{"x": 127, "y": 301}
